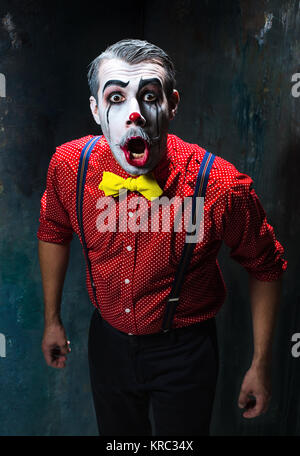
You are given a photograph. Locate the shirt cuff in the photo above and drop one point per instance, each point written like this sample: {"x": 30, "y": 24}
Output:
{"x": 270, "y": 276}
{"x": 54, "y": 236}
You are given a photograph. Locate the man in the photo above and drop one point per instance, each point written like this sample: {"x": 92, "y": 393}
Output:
{"x": 134, "y": 361}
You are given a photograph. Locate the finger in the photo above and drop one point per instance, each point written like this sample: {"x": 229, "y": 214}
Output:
{"x": 64, "y": 349}
{"x": 61, "y": 364}
{"x": 54, "y": 363}
{"x": 62, "y": 359}
{"x": 59, "y": 350}
{"x": 243, "y": 399}
{"x": 257, "y": 409}
{"x": 51, "y": 359}
{"x": 48, "y": 357}
{"x": 266, "y": 403}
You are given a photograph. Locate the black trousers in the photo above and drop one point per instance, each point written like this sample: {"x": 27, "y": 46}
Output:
{"x": 175, "y": 372}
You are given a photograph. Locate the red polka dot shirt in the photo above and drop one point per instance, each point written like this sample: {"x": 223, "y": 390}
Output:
{"x": 132, "y": 270}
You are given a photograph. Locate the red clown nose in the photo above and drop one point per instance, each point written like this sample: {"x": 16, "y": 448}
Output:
{"x": 134, "y": 116}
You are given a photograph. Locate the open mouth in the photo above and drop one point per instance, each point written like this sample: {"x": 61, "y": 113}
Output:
{"x": 136, "y": 151}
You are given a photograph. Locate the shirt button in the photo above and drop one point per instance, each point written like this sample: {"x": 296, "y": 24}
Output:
{"x": 126, "y": 280}
{"x": 130, "y": 214}
{"x": 127, "y": 310}
{"x": 129, "y": 248}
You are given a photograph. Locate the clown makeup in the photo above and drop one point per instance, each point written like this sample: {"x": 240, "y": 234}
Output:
{"x": 133, "y": 112}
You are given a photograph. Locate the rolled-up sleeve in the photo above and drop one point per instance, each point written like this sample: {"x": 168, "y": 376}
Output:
{"x": 249, "y": 235}
{"x": 54, "y": 222}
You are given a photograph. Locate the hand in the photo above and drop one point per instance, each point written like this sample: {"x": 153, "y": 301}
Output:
{"x": 55, "y": 345}
{"x": 257, "y": 384}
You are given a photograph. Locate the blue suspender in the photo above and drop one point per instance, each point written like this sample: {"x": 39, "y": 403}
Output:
{"x": 200, "y": 189}
{"x": 81, "y": 176}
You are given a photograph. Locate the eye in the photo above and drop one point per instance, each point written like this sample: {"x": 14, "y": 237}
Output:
{"x": 149, "y": 96}
{"x": 116, "y": 98}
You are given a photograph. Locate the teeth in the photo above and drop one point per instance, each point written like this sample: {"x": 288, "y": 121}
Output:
{"x": 137, "y": 155}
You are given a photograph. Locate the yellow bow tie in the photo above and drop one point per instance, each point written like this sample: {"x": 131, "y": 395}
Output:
{"x": 145, "y": 184}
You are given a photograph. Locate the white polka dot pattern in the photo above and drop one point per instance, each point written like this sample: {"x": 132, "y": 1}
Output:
{"x": 133, "y": 271}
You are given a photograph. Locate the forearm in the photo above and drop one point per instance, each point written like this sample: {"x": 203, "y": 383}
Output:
{"x": 265, "y": 299}
{"x": 53, "y": 260}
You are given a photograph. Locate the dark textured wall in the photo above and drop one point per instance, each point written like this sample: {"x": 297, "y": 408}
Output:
{"x": 235, "y": 61}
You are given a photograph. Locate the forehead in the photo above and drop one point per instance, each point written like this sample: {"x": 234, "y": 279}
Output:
{"x": 116, "y": 69}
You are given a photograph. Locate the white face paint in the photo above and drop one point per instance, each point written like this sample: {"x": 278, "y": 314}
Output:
{"x": 125, "y": 89}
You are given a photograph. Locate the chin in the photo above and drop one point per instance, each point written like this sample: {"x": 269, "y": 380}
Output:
{"x": 139, "y": 171}
{"x": 136, "y": 170}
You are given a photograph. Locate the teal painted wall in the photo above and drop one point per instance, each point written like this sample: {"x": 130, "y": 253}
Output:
{"x": 235, "y": 61}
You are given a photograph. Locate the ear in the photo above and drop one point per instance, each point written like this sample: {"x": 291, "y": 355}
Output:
{"x": 94, "y": 109}
{"x": 173, "y": 103}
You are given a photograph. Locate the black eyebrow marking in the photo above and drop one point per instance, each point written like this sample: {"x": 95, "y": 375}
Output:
{"x": 115, "y": 82}
{"x": 144, "y": 82}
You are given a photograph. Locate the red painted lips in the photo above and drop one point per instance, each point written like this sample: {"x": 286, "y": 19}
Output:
{"x": 136, "y": 151}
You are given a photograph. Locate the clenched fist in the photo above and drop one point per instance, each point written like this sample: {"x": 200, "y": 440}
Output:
{"x": 55, "y": 345}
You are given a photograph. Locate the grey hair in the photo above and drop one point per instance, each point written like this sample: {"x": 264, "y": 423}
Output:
{"x": 133, "y": 51}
